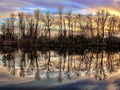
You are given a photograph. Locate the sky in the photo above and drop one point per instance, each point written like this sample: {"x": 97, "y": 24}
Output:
{"x": 77, "y": 6}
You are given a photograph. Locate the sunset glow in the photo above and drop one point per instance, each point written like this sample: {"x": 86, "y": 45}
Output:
{"x": 82, "y": 6}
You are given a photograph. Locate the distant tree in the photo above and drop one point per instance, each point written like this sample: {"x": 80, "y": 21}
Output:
{"x": 69, "y": 18}
{"x": 90, "y": 23}
{"x": 112, "y": 25}
{"x": 98, "y": 23}
{"x": 12, "y": 26}
{"x": 48, "y": 20}
{"x": 64, "y": 23}
{"x": 3, "y": 29}
{"x": 79, "y": 22}
{"x": 103, "y": 16}
{"x": 31, "y": 25}
{"x": 60, "y": 19}
{"x": 8, "y": 28}
{"x": 37, "y": 19}
{"x": 21, "y": 23}
{"x": 74, "y": 25}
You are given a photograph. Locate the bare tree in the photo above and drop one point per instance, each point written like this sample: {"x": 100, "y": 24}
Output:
{"x": 12, "y": 26}
{"x": 8, "y": 28}
{"x": 31, "y": 25}
{"x": 60, "y": 19}
{"x": 64, "y": 27}
{"x": 48, "y": 20}
{"x": 103, "y": 18}
{"x": 90, "y": 23}
{"x": 37, "y": 19}
{"x": 3, "y": 29}
{"x": 111, "y": 25}
{"x": 21, "y": 23}
{"x": 98, "y": 23}
{"x": 69, "y": 18}
{"x": 79, "y": 22}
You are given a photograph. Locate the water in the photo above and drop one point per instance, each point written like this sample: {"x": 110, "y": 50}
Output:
{"x": 60, "y": 64}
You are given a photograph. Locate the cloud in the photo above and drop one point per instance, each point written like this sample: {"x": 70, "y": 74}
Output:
{"x": 53, "y": 3}
{"x": 8, "y": 5}
{"x": 82, "y": 6}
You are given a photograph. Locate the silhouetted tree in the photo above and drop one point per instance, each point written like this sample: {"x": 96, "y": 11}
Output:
{"x": 48, "y": 20}
{"x": 103, "y": 18}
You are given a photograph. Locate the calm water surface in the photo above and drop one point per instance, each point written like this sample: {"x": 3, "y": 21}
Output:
{"x": 62, "y": 66}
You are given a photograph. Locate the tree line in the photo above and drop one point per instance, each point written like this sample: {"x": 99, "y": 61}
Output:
{"x": 61, "y": 29}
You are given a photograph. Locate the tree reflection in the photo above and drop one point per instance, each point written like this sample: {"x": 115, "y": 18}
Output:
{"x": 9, "y": 61}
{"x": 63, "y": 64}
